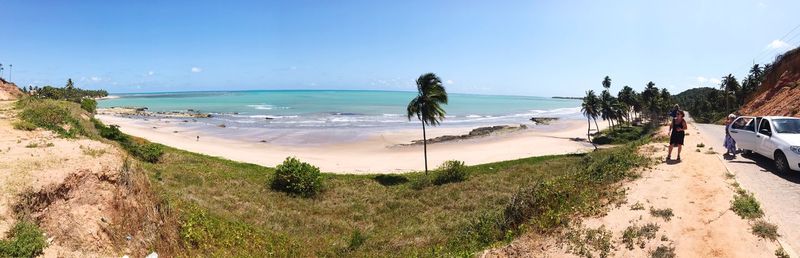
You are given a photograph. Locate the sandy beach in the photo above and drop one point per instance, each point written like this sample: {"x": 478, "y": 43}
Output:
{"x": 374, "y": 152}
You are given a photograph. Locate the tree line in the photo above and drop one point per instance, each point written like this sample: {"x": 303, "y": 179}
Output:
{"x": 69, "y": 92}
{"x": 710, "y": 104}
{"x": 627, "y": 107}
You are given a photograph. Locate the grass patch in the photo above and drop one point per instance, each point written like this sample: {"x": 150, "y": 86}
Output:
{"x": 588, "y": 242}
{"x": 637, "y": 236}
{"x": 24, "y": 125}
{"x": 32, "y": 145}
{"x": 65, "y": 118}
{"x": 701, "y": 145}
{"x": 24, "y": 240}
{"x": 92, "y": 152}
{"x": 765, "y": 230}
{"x": 663, "y": 251}
{"x": 622, "y": 134}
{"x": 665, "y": 214}
{"x": 746, "y": 206}
{"x": 220, "y": 200}
{"x": 637, "y": 206}
{"x": 450, "y": 171}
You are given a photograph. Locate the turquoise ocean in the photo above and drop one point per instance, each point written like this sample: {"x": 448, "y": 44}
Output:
{"x": 287, "y": 109}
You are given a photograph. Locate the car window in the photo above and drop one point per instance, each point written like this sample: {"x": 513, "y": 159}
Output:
{"x": 764, "y": 126}
{"x": 744, "y": 123}
{"x": 787, "y": 125}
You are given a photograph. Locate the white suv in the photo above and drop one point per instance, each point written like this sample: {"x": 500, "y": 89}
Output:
{"x": 774, "y": 137}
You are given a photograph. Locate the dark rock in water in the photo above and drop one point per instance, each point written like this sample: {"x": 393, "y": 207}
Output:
{"x": 174, "y": 131}
{"x": 345, "y": 114}
{"x": 190, "y": 110}
{"x": 543, "y": 120}
{"x": 235, "y": 113}
{"x": 269, "y": 118}
{"x": 263, "y": 140}
{"x": 477, "y": 132}
{"x": 185, "y": 121}
{"x": 222, "y": 125}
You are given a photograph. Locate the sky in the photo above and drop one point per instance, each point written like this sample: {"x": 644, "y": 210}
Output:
{"x": 536, "y": 48}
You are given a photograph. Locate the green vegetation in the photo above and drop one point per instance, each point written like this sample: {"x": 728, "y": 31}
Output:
{"x": 585, "y": 242}
{"x": 90, "y": 105}
{"x": 625, "y": 108}
{"x": 450, "y": 171}
{"x": 765, "y": 230}
{"x": 746, "y": 206}
{"x": 635, "y": 235}
{"x": 708, "y": 105}
{"x": 24, "y": 125}
{"x": 623, "y": 134}
{"x": 220, "y": 201}
{"x": 663, "y": 251}
{"x": 426, "y": 106}
{"x": 701, "y": 145}
{"x": 296, "y": 177}
{"x": 665, "y": 214}
{"x": 140, "y": 148}
{"x": 69, "y": 93}
{"x": 65, "y": 118}
{"x": 24, "y": 240}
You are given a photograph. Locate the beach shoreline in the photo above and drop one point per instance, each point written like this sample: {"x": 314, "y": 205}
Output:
{"x": 373, "y": 152}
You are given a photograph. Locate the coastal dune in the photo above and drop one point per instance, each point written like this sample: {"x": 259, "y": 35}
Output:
{"x": 375, "y": 152}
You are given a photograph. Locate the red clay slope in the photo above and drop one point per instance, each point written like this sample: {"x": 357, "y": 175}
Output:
{"x": 9, "y": 90}
{"x": 779, "y": 93}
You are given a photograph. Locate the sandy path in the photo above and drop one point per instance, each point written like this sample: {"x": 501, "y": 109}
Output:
{"x": 373, "y": 155}
{"x": 699, "y": 195}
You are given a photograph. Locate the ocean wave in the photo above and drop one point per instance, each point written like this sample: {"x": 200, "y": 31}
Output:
{"x": 261, "y": 106}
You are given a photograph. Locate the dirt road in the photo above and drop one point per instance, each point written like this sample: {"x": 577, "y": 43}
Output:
{"x": 779, "y": 194}
{"x": 696, "y": 191}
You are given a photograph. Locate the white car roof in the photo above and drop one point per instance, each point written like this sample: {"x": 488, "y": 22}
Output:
{"x": 780, "y": 117}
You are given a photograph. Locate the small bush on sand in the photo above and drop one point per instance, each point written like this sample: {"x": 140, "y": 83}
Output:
{"x": 746, "y": 206}
{"x": 765, "y": 230}
{"x": 297, "y": 177}
{"x": 780, "y": 253}
{"x": 666, "y": 214}
{"x": 450, "y": 171}
{"x": 24, "y": 240}
{"x": 663, "y": 252}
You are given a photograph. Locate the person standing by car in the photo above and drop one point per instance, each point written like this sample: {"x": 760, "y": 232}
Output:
{"x": 730, "y": 143}
{"x": 677, "y": 133}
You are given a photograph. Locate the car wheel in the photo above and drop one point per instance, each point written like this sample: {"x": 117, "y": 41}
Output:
{"x": 780, "y": 162}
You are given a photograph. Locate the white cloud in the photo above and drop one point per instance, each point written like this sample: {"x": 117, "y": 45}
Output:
{"x": 449, "y": 82}
{"x": 702, "y": 79}
{"x": 776, "y": 44}
{"x": 197, "y": 69}
{"x": 714, "y": 81}
{"x": 96, "y": 79}
{"x": 150, "y": 73}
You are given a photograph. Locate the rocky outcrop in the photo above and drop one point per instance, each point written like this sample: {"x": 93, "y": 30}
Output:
{"x": 779, "y": 93}
{"x": 477, "y": 132}
{"x": 9, "y": 90}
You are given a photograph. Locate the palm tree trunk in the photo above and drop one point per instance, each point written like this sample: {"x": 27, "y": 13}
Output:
{"x": 595, "y": 124}
{"x": 425, "y": 145}
{"x": 588, "y": 132}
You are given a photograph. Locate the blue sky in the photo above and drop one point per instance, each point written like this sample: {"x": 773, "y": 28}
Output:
{"x": 540, "y": 48}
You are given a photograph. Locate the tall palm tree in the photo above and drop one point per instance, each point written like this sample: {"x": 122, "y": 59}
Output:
{"x": 427, "y": 105}
{"x": 650, "y": 99}
{"x": 627, "y": 96}
{"x": 589, "y": 109}
{"x": 607, "y": 108}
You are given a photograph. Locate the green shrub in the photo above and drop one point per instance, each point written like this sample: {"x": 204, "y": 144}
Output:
{"x": 746, "y": 206}
{"x": 450, "y": 171}
{"x": 765, "y": 230}
{"x": 150, "y": 152}
{"x": 297, "y": 177}
{"x": 65, "y": 118}
{"x": 24, "y": 125}
{"x": 24, "y": 240}
{"x": 90, "y": 105}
